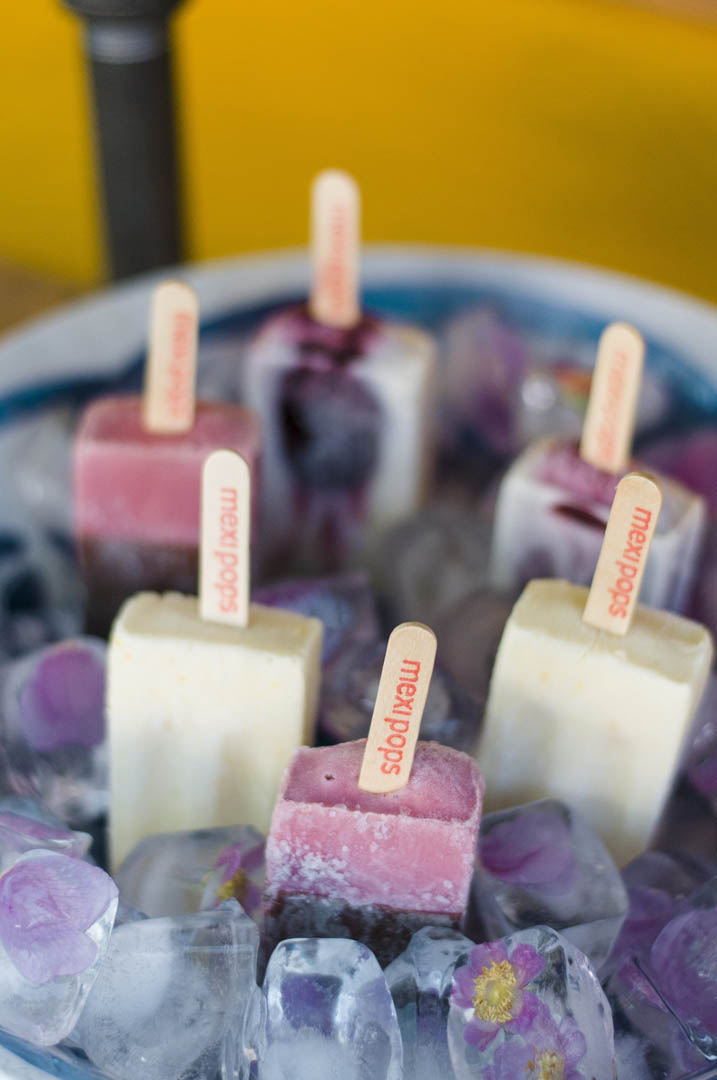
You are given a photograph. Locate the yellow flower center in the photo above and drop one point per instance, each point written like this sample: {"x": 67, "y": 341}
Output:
{"x": 235, "y": 888}
{"x": 552, "y": 1066}
{"x": 549, "y": 1066}
{"x": 494, "y": 993}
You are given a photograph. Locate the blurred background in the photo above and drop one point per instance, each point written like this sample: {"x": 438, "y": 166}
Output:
{"x": 578, "y": 128}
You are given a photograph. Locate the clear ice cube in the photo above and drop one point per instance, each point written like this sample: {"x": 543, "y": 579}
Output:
{"x": 173, "y": 995}
{"x": 345, "y": 604}
{"x": 348, "y": 695}
{"x": 184, "y": 872}
{"x": 432, "y": 561}
{"x": 541, "y": 863}
{"x": 329, "y": 1014}
{"x": 420, "y": 981}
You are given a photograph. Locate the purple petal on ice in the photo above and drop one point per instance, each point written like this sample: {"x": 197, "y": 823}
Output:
{"x": 684, "y": 959}
{"x": 532, "y": 848}
{"x": 527, "y": 963}
{"x": 62, "y": 702}
{"x": 32, "y": 829}
{"x": 463, "y": 987}
{"x": 47, "y": 901}
{"x": 480, "y": 1034}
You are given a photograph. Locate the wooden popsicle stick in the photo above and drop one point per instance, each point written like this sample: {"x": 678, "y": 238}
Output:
{"x": 610, "y": 419}
{"x": 335, "y": 238}
{"x": 401, "y": 699}
{"x": 616, "y": 583}
{"x": 171, "y": 369}
{"x": 224, "y": 540}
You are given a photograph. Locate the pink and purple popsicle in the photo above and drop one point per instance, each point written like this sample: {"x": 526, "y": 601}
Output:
{"x": 137, "y": 497}
{"x": 343, "y": 862}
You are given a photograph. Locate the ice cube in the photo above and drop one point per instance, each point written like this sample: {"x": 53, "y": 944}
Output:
{"x": 690, "y": 459}
{"x": 348, "y": 695}
{"x": 420, "y": 981}
{"x": 52, "y": 705}
{"x": 20, "y": 834}
{"x": 56, "y": 914}
{"x": 542, "y": 863}
{"x": 184, "y": 872}
{"x": 682, "y": 969}
{"x": 484, "y": 361}
{"x": 329, "y": 1014}
{"x": 469, "y": 635}
{"x": 345, "y": 604}
{"x": 173, "y": 994}
{"x": 661, "y": 888}
{"x": 701, "y": 765}
{"x": 430, "y": 562}
{"x": 529, "y": 1001}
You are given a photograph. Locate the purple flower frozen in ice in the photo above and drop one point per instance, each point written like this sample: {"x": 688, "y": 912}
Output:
{"x": 48, "y": 902}
{"x": 19, "y": 834}
{"x": 62, "y": 701}
{"x": 234, "y": 883}
{"x": 684, "y": 962}
{"x": 492, "y": 984}
{"x": 532, "y": 849}
{"x": 546, "y": 1052}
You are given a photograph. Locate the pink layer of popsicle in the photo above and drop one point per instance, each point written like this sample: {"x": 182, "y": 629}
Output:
{"x": 411, "y": 850}
{"x": 132, "y": 484}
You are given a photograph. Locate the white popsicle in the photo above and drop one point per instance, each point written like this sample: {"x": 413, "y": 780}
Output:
{"x": 593, "y": 717}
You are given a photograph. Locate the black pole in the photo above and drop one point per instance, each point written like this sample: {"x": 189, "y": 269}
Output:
{"x": 129, "y": 53}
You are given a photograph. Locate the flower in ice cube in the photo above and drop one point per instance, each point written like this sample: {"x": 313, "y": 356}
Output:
{"x": 235, "y": 866}
{"x": 545, "y": 1052}
{"x": 531, "y": 849}
{"x": 48, "y": 902}
{"x": 683, "y": 960}
{"x": 62, "y": 702}
{"x": 492, "y": 984}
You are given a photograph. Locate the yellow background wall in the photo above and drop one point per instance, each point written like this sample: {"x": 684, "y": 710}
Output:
{"x": 581, "y": 128}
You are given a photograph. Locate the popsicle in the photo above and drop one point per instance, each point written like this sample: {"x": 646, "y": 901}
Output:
{"x": 345, "y": 400}
{"x": 137, "y": 468}
{"x": 554, "y": 500}
{"x": 208, "y": 696}
{"x": 592, "y": 695}
{"x": 367, "y": 841}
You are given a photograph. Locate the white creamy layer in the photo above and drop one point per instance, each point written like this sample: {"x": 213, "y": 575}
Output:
{"x": 203, "y": 718}
{"x": 528, "y": 531}
{"x": 596, "y": 720}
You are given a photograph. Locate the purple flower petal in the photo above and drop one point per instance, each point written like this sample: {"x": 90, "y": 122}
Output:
{"x": 62, "y": 703}
{"x": 492, "y": 952}
{"x": 572, "y": 1041}
{"x": 479, "y": 1034}
{"x": 252, "y": 898}
{"x": 513, "y": 1061}
{"x": 532, "y": 848}
{"x": 45, "y": 952}
{"x": 525, "y": 1017}
{"x": 47, "y": 901}
{"x": 254, "y": 858}
{"x": 23, "y": 832}
{"x": 527, "y": 963}
{"x": 462, "y": 989}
